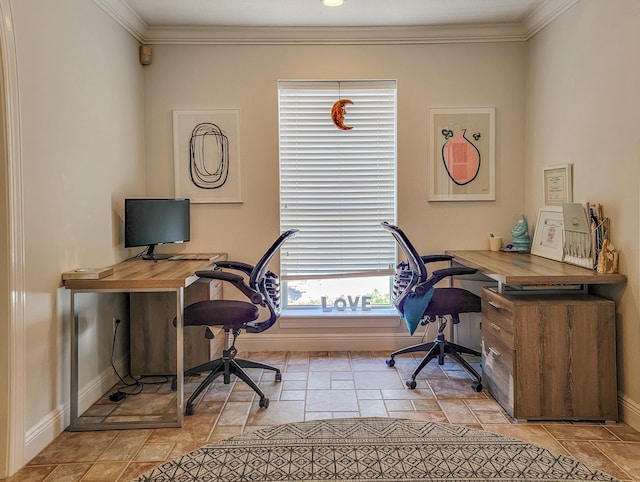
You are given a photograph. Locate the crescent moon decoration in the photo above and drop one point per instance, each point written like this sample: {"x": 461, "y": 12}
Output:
{"x": 208, "y": 156}
{"x": 338, "y": 112}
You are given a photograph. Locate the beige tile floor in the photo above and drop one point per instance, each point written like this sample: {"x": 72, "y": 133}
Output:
{"x": 315, "y": 386}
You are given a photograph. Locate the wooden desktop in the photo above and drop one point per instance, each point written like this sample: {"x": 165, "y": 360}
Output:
{"x": 136, "y": 275}
{"x": 548, "y": 347}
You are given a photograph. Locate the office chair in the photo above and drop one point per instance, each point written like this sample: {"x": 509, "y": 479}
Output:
{"x": 419, "y": 302}
{"x": 262, "y": 289}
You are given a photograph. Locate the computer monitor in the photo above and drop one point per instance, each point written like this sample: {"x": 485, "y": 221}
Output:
{"x": 149, "y": 222}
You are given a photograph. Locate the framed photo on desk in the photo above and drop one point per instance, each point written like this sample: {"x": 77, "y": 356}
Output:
{"x": 548, "y": 238}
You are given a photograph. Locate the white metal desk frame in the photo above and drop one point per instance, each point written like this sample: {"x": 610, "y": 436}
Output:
{"x": 75, "y": 424}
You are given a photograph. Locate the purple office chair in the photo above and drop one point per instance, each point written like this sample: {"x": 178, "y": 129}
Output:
{"x": 420, "y": 302}
{"x": 262, "y": 289}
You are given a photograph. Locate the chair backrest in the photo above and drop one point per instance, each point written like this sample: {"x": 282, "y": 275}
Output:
{"x": 268, "y": 283}
{"x": 408, "y": 274}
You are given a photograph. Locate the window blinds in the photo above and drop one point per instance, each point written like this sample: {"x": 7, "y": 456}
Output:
{"x": 337, "y": 186}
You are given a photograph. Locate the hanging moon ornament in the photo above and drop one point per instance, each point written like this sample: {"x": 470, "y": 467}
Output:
{"x": 338, "y": 112}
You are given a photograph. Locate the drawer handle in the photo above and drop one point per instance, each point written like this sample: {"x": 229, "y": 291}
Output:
{"x": 495, "y": 327}
{"x": 496, "y": 306}
{"x": 494, "y": 352}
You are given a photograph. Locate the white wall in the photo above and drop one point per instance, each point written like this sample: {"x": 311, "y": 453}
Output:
{"x": 81, "y": 94}
{"x": 582, "y": 108}
{"x": 244, "y": 77}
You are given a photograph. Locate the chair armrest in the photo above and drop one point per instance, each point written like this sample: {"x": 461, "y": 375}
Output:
{"x": 439, "y": 275}
{"x": 219, "y": 274}
{"x": 432, "y": 258}
{"x": 237, "y": 280}
{"x": 237, "y": 265}
{"x": 457, "y": 271}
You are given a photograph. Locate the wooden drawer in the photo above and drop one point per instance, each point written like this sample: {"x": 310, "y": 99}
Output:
{"x": 498, "y": 370}
{"x": 498, "y": 308}
{"x": 216, "y": 290}
{"x": 499, "y": 328}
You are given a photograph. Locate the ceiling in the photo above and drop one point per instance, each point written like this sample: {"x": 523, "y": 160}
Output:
{"x": 217, "y": 20}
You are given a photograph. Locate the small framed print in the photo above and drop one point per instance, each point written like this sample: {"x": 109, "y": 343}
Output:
{"x": 557, "y": 185}
{"x": 206, "y": 154}
{"x": 462, "y": 164}
{"x": 548, "y": 238}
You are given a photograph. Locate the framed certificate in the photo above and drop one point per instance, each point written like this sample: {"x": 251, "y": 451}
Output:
{"x": 557, "y": 185}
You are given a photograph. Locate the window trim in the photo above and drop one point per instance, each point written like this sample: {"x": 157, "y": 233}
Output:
{"x": 371, "y": 151}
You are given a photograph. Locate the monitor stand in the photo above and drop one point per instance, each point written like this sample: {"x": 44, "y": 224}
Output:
{"x": 150, "y": 255}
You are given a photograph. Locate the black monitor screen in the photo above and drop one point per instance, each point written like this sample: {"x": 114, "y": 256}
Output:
{"x": 148, "y": 222}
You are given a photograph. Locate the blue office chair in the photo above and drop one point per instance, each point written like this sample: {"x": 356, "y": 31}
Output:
{"x": 262, "y": 288}
{"x": 420, "y": 302}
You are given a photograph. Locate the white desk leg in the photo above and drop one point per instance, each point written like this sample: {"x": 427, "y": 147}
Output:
{"x": 180, "y": 356}
{"x": 73, "y": 400}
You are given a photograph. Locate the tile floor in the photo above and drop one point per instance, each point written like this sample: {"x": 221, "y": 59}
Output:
{"x": 315, "y": 386}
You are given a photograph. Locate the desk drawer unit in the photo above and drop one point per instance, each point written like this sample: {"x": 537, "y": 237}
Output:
{"x": 152, "y": 334}
{"x": 550, "y": 357}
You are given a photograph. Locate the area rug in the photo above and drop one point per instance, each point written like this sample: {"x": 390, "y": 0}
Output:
{"x": 371, "y": 449}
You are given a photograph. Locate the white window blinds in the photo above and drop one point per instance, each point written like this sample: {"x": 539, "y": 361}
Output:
{"x": 336, "y": 186}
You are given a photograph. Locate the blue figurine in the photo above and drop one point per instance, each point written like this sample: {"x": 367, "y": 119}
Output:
{"x": 520, "y": 235}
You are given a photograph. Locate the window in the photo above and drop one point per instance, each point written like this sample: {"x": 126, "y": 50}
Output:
{"x": 336, "y": 186}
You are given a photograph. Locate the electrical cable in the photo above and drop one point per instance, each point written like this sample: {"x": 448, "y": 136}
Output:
{"x": 136, "y": 383}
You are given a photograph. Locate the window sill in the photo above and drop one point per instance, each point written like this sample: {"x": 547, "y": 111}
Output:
{"x": 339, "y": 319}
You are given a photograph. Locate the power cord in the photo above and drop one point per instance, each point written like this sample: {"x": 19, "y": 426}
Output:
{"x": 120, "y": 394}
{"x": 138, "y": 383}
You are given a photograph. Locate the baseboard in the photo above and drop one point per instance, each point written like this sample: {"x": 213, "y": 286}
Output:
{"x": 48, "y": 428}
{"x": 629, "y": 411}
{"x": 324, "y": 342}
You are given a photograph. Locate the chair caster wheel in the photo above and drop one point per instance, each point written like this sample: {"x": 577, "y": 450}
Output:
{"x": 190, "y": 409}
{"x": 278, "y": 377}
{"x": 476, "y": 386}
{"x": 390, "y": 362}
{"x": 264, "y": 403}
{"x": 411, "y": 384}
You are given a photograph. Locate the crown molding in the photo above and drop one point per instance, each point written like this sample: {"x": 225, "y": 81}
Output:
{"x": 127, "y": 18}
{"x": 544, "y": 15}
{"x": 332, "y": 35}
{"x": 511, "y": 32}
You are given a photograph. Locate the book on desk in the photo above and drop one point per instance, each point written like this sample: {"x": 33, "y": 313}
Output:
{"x": 88, "y": 273}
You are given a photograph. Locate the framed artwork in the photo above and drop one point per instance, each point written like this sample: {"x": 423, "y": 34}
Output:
{"x": 548, "y": 239}
{"x": 462, "y": 154}
{"x": 557, "y": 184}
{"x": 206, "y": 155}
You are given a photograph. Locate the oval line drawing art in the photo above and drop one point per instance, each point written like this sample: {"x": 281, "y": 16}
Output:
{"x": 208, "y": 156}
{"x": 460, "y": 156}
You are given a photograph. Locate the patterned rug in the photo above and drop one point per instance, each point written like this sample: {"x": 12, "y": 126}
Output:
{"x": 371, "y": 449}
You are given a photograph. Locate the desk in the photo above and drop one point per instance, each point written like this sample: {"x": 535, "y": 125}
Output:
{"x": 526, "y": 269}
{"x": 136, "y": 275}
{"x": 547, "y": 353}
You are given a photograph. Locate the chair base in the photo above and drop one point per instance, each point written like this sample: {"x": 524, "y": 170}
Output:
{"x": 439, "y": 348}
{"x": 226, "y": 366}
